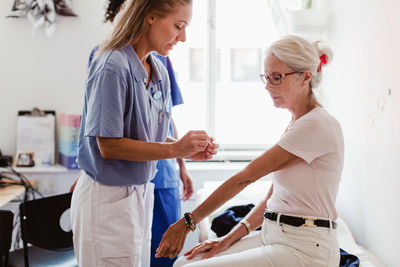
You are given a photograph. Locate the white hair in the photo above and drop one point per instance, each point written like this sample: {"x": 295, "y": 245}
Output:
{"x": 301, "y": 55}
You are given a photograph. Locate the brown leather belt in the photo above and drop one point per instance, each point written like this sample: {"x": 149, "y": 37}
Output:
{"x": 299, "y": 221}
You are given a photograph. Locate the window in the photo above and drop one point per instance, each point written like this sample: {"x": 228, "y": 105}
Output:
{"x": 196, "y": 68}
{"x": 244, "y": 63}
{"x": 218, "y": 71}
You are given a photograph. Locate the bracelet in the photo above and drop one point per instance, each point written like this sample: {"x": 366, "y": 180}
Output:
{"x": 189, "y": 221}
{"x": 246, "y": 224}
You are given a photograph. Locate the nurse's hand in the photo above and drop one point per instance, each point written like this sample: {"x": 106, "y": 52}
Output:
{"x": 72, "y": 188}
{"x": 208, "y": 152}
{"x": 173, "y": 240}
{"x": 187, "y": 185}
{"x": 191, "y": 143}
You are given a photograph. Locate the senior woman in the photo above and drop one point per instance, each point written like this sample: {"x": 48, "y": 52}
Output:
{"x": 298, "y": 213}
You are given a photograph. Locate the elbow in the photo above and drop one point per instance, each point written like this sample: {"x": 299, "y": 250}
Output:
{"x": 105, "y": 154}
{"x": 105, "y": 148}
{"x": 250, "y": 176}
{"x": 245, "y": 179}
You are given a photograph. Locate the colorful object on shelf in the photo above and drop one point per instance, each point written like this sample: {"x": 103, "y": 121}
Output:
{"x": 68, "y": 142}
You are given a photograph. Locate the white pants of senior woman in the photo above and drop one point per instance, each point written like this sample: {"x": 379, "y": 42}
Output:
{"x": 279, "y": 245}
{"x": 111, "y": 225}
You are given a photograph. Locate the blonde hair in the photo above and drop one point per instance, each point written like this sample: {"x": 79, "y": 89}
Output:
{"x": 301, "y": 55}
{"x": 130, "y": 23}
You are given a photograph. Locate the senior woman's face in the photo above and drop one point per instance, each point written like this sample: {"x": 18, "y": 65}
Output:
{"x": 167, "y": 31}
{"x": 287, "y": 93}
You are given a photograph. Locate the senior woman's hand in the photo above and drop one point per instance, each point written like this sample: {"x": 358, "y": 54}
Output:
{"x": 210, "y": 247}
{"x": 173, "y": 240}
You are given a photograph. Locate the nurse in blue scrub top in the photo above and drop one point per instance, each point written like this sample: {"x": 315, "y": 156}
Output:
{"x": 124, "y": 128}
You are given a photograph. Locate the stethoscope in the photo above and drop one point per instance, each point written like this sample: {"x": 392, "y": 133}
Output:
{"x": 157, "y": 95}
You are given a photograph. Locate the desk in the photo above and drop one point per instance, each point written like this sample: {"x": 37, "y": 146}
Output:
{"x": 49, "y": 180}
{"x": 9, "y": 193}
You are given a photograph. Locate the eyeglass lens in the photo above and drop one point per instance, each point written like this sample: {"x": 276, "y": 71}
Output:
{"x": 273, "y": 78}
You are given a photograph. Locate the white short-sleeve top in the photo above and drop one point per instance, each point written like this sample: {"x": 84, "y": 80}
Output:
{"x": 309, "y": 187}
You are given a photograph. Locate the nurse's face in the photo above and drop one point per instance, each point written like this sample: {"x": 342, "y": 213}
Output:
{"x": 289, "y": 92}
{"x": 164, "y": 33}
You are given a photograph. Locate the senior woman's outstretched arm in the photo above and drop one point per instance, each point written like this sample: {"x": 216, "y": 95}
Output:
{"x": 272, "y": 160}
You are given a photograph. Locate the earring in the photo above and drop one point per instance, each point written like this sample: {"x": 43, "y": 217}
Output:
{"x": 304, "y": 86}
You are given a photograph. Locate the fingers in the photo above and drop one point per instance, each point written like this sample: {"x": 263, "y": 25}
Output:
{"x": 198, "y": 146}
{"x": 185, "y": 195}
{"x": 167, "y": 252}
{"x": 172, "y": 241}
{"x": 164, "y": 249}
{"x": 211, "y": 252}
{"x": 212, "y": 148}
{"x": 160, "y": 249}
{"x": 173, "y": 254}
{"x": 191, "y": 250}
{"x": 187, "y": 189}
{"x": 193, "y": 142}
{"x": 199, "y": 249}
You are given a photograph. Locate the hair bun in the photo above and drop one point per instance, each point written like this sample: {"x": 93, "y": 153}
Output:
{"x": 324, "y": 50}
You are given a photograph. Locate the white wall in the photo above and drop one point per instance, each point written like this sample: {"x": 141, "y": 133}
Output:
{"x": 45, "y": 72}
{"x": 366, "y": 41}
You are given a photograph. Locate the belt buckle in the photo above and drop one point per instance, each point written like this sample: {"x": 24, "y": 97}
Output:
{"x": 309, "y": 219}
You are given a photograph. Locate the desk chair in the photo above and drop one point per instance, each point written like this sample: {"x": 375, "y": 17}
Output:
{"x": 40, "y": 227}
{"x": 6, "y": 227}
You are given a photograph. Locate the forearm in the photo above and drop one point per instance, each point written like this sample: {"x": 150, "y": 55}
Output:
{"x": 222, "y": 194}
{"x": 181, "y": 164}
{"x": 135, "y": 150}
{"x": 255, "y": 218}
{"x": 174, "y": 138}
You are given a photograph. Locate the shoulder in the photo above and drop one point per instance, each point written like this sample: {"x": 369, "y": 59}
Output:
{"x": 116, "y": 61}
{"x": 319, "y": 122}
{"x": 323, "y": 118}
{"x": 316, "y": 122}
{"x": 317, "y": 116}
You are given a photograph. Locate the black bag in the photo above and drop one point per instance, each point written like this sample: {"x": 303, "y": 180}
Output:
{"x": 223, "y": 223}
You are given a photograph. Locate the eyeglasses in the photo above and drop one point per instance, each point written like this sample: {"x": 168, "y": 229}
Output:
{"x": 275, "y": 78}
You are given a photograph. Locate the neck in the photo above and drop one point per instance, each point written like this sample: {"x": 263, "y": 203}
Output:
{"x": 303, "y": 109}
{"x": 142, "y": 50}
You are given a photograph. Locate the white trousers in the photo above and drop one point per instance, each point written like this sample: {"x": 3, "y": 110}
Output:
{"x": 111, "y": 224}
{"x": 279, "y": 245}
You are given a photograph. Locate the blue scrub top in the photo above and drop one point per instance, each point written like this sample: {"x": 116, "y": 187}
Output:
{"x": 118, "y": 104}
{"x": 167, "y": 175}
